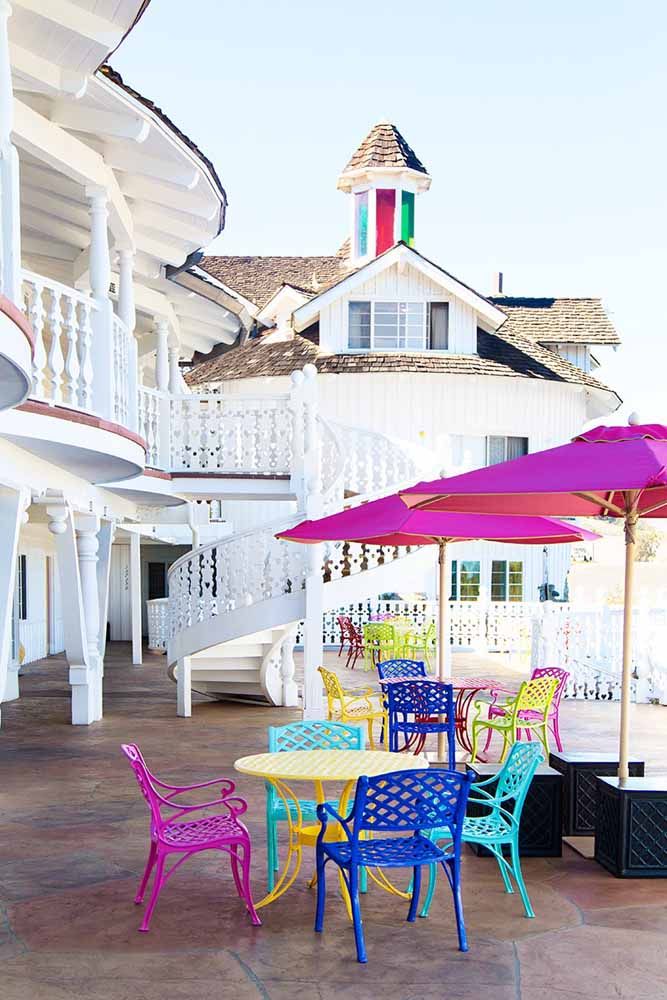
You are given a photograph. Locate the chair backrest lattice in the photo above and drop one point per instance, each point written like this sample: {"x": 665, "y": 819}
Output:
{"x": 401, "y": 668}
{"x": 536, "y": 696}
{"x": 401, "y": 801}
{"x": 379, "y": 634}
{"x": 560, "y": 675}
{"x": 316, "y": 735}
{"x": 343, "y": 622}
{"x": 516, "y": 774}
{"x": 421, "y": 697}
{"x": 332, "y": 686}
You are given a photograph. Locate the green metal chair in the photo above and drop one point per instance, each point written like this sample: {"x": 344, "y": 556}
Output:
{"x": 527, "y": 713}
{"x": 418, "y": 645}
{"x": 379, "y": 643}
{"x": 499, "y": 828}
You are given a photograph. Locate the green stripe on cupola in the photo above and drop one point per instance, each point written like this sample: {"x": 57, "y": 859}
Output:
{"x": 408, "y": 217}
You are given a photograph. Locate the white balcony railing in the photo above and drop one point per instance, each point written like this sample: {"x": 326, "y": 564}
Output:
{"x": 61, "y": 320}
{"x": 148, "y": 423}
{"x": 124, "y": 367}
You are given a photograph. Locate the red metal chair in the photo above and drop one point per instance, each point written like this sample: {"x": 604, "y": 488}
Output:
{"x": 343, "y": 622}
{"x": 356, "y": 641}
{"x": 176, "y": 833}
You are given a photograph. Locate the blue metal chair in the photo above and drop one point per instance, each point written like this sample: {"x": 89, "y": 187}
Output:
{"x": 417, "y": 707}
{"x": 397, "y": 802}
{"x": 500, "y": 827}
{"x": 391, "y": 669}
{"x": 302, "y": 736}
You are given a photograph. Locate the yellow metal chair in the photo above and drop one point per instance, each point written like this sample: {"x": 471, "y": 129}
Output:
{"x": 527, "y": 713}
{"x": 350, "y": 705}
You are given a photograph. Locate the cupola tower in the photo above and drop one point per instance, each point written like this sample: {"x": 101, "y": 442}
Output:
{"x": 383, "y": 177}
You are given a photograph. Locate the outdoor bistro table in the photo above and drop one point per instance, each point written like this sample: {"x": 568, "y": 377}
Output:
{"x": 319, "y": 766}
{"x": 467, "y": 690}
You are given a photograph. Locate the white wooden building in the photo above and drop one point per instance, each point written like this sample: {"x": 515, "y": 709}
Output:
{"x": 119, "y": 482}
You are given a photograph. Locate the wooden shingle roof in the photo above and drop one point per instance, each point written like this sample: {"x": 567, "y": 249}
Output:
{"x": 384, "y": 146}
{"x": 259, "y": 278}
{"x": 558, "y": 320}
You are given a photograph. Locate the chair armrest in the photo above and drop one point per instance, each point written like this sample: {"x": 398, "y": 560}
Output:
{"x": 494, "y": 807}
{"x": 324, "y": 810}
{"x": 226, "y": 787}
{"x": 235, "y": 807}
{"x": 475, "y": 787}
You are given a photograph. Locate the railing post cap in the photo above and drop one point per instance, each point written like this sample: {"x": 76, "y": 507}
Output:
{"x": 296, "y": 377}
{"x": 310, "y": 371}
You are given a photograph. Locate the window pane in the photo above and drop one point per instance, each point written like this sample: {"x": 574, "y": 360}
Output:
{"x": 515, "y": 578}
{"x": 469, "y": 580}
{"x": 359, "y": 334}
{"x": 517, "y": 446}
{"x": 495, "y": 450}
{"x": 439, "y": 326}
{"x": 498, "y": 580}
{"x": 455, "y": 590}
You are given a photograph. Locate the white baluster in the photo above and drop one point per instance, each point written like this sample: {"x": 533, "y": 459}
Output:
{"x": 55, "y": 360}
{"x": 36, "y": 317}
{"x": 85, "y": 356}
{"x": 72, "y": 368}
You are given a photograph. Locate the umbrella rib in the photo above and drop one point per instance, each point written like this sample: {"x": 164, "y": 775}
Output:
{"x": 602, "y": 501}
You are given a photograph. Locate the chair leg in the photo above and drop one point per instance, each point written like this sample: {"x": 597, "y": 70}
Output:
{"x": 416, "y": 886}
{"x": 453, "y": 869}
{"x": 430, "y": 891}
{"x": 139, "y": 898}
{"x": 497, "y": 851}
{"x": 158, "y": 882}
{"x": 518, "y": 878}
{"x": 242, "y": 879}
{"x": 321, "y": 892}
{"x": 555, "y": 728}
{"x": 371, "y": 742}
{"x": 271, "y": 851}
{"x": 356, "y": 914}
{"x": 475, "y": 736}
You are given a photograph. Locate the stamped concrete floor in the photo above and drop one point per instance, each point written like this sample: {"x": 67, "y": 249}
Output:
{"x": 73, "y": 835}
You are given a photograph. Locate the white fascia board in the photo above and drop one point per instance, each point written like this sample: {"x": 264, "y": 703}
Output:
{"x": 180, "y": 147}
{"x": 65, "y": 154}
{"x": 209, "y": 279}
{"x": 76, "y": 117}
{"x": 402, "y": 255}
{"x": 285, "y": 300}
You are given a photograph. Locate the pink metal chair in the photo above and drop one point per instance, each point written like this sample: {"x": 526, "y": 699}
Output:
{"x": 172, "y": 834}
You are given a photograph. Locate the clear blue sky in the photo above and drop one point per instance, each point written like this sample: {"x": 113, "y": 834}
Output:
{"x": 542, "y": 125}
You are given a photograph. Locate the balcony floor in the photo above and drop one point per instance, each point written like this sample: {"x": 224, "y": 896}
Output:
{"x": 73, "y": 837}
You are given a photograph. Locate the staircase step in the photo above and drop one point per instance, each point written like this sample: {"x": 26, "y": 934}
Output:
{"x": 226, "y": 676}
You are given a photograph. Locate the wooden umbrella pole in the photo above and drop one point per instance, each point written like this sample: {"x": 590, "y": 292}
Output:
{"x": 442, "y": 634}
{"x": 631, "y": 519}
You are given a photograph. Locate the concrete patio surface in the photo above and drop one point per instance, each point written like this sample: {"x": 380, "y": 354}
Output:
{"x": 73, "y": 841}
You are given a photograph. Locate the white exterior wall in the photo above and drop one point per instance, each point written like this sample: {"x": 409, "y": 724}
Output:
{"x": 578, "y": 354}
{"x": 409, "y": 286}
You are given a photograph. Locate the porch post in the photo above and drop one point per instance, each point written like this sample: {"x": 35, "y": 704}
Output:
{"x": 135, "y": 597}
{"x": 162, "y": 355}
{"x": 102, "y": 317}
{"x": 10, "y": 230}
{"x": 105, "y": 539}
{"x": 13, "y": 504}
{"x": 87, "y": 527}
{"x": 162, "y": 383}
{"x": 313, "y": 647}
{"x": 175, "y": 384}
{"x": 127, "y": 313}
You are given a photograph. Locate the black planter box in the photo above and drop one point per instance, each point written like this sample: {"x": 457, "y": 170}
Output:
{"x": 579, "y": 772}
{"x": 631, "y": 827}
{"x": 542, "y": 816}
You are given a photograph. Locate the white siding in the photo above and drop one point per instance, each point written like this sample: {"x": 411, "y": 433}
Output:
{"x": 120, "y": 625}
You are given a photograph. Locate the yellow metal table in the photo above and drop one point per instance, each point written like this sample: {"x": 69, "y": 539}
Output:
{"x": 318, "y": 766}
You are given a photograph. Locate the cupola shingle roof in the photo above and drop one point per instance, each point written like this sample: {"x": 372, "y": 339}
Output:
{"x": 384, "y": 146}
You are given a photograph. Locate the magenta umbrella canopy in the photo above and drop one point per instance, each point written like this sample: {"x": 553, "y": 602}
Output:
{"x": 616, "y": 471}
{"x": 390, "y": 522}
{"x": 598, "y": 472}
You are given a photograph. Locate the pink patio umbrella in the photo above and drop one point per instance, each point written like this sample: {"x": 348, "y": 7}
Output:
{"x": 613, "y": 471}
{"x": 389, "y": 522}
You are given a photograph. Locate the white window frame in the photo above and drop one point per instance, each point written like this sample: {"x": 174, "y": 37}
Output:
{"x": 426, "y": 325}
{"x": 468, "y": 600}
{"x": 508, "y": 598}
{"x": 505, "y": 438}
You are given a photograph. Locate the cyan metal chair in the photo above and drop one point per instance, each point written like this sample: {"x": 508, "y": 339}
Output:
{"x": 302, "y": 736}
{"x": 409, "y": 802}
{"x": 500, "y": 827}
{"x": 417, "y": 707}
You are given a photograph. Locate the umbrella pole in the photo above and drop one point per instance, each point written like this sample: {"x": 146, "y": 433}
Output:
{"x": 442, "y": 634}
{"x": 631, "y": 519}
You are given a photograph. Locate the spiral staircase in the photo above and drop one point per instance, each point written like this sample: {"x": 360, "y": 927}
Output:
{"x": 235, "y": 603}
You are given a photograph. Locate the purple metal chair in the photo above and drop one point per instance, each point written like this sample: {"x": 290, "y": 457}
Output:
{"x": 172, "y": 834}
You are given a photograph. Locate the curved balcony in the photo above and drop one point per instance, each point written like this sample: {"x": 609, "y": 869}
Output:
{"x": 81, "y": 411}
{"x": 16, "y": 349}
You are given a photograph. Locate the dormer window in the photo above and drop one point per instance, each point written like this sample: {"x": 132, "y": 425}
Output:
{"x": 398, "y": 326}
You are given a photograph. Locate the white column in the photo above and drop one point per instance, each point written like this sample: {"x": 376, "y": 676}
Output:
{"x": 10, "y": 219}
{"x": 12, "y": 515}
{"x": 184, "y": 687}
{"x": 162, "y": 355}
{"x": 313, "y": 647}
{"x": 175, "y": 381}
{"x": 135, "y": 597}
{"x": 87, "y": 544}
{"x": 296, "y": 406}
{"x": 290, "y": 689}
{"x": 61, "y": 525}
{"x": 127, "y": 313}
{"x": 102, "y": 354}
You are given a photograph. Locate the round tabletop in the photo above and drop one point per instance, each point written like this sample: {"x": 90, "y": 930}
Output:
{"x": 326, "y": 765}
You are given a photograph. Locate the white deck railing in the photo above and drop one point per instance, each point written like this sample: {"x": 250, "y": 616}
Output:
{"x": 157, "y": 613}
